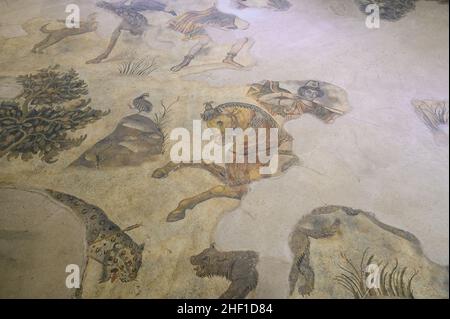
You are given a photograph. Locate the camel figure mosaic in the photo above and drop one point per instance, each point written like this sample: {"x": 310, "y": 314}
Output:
{"x": 324, "y": 100}
{"x": 235, "y": 177}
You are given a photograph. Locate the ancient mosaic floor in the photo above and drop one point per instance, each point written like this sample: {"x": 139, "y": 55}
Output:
{"x": 88, "y": 189}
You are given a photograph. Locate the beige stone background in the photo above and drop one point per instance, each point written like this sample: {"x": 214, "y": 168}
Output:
{"x": 379, "y": 157}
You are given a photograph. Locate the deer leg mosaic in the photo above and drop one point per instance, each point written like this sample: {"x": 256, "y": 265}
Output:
{"x": 235, "y": 192}
{"x": 214, "y": 169}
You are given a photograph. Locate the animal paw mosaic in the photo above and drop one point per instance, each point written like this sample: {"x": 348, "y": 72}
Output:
{"x": 276, "y": 149}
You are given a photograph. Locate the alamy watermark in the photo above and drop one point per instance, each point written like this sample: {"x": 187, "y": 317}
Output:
{"x": 73, "y": 279}
{"x": 373, "y": 16}
{"x": 236, "y": 145}
{"x": 373, "y": 276}
{"x": 73, "y": 19}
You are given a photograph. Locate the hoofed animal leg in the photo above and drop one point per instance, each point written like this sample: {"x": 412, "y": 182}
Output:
{"x": 216, "y": 170}
{"x": 179, "y": 213}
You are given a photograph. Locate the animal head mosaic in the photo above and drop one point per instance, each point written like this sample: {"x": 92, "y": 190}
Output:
{"x": 238, "y": 267}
